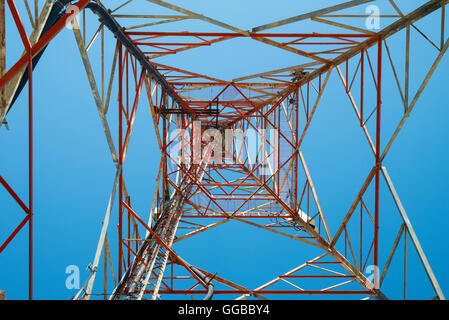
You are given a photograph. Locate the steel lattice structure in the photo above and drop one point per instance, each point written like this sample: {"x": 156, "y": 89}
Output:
{"x": 269, "y": 187}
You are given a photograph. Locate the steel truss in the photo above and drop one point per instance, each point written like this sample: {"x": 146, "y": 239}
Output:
{"x": 269, "y": 187}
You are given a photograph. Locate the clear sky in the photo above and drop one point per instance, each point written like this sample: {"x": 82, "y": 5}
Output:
{"x": 74, "y": 172}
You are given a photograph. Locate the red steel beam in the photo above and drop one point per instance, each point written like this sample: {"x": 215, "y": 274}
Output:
{"x": 14, "y": 233}
{"x": 14, "y": 195}
{"x": 261, "y": 292}
{"x": 236, "y": 35}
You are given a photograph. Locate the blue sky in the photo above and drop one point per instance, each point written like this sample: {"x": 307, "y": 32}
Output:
{"x": 74, "y": 172}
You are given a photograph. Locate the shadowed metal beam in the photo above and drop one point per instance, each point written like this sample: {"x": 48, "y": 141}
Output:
{"x": 117, "y": 30}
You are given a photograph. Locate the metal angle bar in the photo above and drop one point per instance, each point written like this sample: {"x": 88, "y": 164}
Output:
{"x": 156, "y": 237}
{"x": 30, "y": 177}
{"x": 94, "y": 88}
{"x": 103, "y": 232}
{"x": 356, "y": 110}
{"x": 153, "y": 210}
{"x": 231, "y": 284}
{"x": 341, "y": 25}
{"x": 276, "y": 231}
{"x": 22, "y": 63}
{"x": 19, "y": 25}
{"x": 166, "y": 255}
{"x": 2, "y": 55}
{"x": 316, "y": 13}
{"x": 164, "y": 227}
{"x": 199, "y": 16}
{"x": 315, "y": 196}
{"x": 30, "y": 16}
{"x": 413, "y": 235}
{"x": 132, "y": 117}
{"x": 108, "y": 251}
{"x": 279, "y": 278}
{"x": 390, "y": 257}
{"x": 157, "y": 23}
{"x": 398, "y": 83}
{"x": 359, "y": 276}
{"x": 210, "y": 226}
{"x": 327, "y": 270}
{"x": 417, "y": 29}
{"x": 14, "y": 233}
{"x": 111, "y": 78}
{"x": 82, "y": 289}
{"x": 14, "y": 195}
{"x": 14, "y": 83}
{"x": 94, "y": 37}
{"x": 290, "y": 49}
{"x": 338, "y": 285}
{"x": 288, "y": 282}
{"x": 392, "y": 29}
{"x": 124, "y": 38}
{"x": 354, "y": 205}
{"x": 245, "y": 293}
{"x": 312, "y": 112}
{"x": 443, "y": 21}
{"x": 148, "y": 276}
{"x": 146, "y": 16}
{"x": 121, "y": 6}
{"x": 150, "y": 94}
{"x": 416, "y": 98}
{"x": 297, "y": 67}
{"x": 36, "y": 12}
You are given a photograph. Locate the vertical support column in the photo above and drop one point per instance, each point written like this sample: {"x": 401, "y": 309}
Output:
{"x": 378, "y": 162}
{"x": 128, "y": 201}
{"x": 105, "y": 273}
{"x": 297, "y": 145}
{"x": 27, "y": 58}
{"x": 165, "y": 196}
{"x": 30, "y": 182}
{"x": 405, "y": 263}
{"x": 362, "y": 85}
{"x": 120, "y": 158}
{"x": 2, "y": 56}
